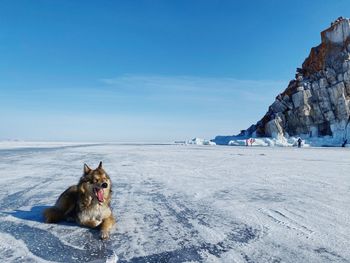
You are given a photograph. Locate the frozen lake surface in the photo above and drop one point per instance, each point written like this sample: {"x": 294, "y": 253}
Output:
{"x": 178, "y": 203}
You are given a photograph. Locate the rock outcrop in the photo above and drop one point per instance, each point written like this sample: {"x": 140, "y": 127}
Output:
{"x": 316, "y": 102}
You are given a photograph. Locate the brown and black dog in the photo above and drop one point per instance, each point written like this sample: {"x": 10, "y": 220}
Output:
{"x": 87, "y": 203}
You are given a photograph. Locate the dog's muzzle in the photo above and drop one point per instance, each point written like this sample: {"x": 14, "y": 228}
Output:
{"x": 104, "y": 185}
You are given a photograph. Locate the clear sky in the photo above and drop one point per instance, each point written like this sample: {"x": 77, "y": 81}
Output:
{"x": 149, "y": 70}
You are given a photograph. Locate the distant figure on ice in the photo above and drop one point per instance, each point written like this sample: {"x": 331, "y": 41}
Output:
{"x": 299, "y": 142}
{"x": 344, "y": 143}
{"x": 249, "y": 141}
{"x": 252, "y": 140}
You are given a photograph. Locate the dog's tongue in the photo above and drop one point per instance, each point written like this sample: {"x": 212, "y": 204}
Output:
{"x": 99, "y": 194}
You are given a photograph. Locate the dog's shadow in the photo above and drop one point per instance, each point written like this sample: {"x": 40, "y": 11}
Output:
{"x": 34, "y": 214}
{"x": 46, "y": 245}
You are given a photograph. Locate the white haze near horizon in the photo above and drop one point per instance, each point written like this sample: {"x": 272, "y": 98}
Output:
{"x": 139, "y": 108}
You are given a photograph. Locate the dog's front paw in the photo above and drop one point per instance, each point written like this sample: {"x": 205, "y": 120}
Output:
{"x": 104, "y": 235}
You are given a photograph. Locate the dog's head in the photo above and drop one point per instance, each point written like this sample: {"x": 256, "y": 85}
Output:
{"x": 96, "y": 183}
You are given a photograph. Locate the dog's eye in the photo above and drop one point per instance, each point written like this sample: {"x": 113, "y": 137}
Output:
{"x": 94, "y": 181}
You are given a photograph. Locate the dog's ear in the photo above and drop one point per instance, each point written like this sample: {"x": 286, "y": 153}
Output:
{"x": 87, "y": 169}
{"x": 100, "y": 166}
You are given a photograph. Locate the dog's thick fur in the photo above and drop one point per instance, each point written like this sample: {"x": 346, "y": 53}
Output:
{"x": 88, "y": 202}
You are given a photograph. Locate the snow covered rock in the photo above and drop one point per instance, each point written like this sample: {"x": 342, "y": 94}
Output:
{"x": 316, "y": 102}
{"x": 199, "y": 141}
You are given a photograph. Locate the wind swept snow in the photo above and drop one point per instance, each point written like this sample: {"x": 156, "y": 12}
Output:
{"x": 178, "y": 203}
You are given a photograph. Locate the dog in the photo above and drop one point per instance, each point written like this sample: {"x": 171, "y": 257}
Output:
{"x": 87, "y": 203}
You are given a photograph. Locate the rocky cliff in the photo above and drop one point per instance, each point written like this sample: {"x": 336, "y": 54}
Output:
{"x": 316, "y": 102}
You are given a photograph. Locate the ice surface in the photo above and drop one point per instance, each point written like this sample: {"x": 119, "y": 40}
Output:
{"x": 177, "y": 203}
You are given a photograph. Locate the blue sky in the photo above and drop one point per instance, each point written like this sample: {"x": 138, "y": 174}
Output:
{"x": 149, "y": 70}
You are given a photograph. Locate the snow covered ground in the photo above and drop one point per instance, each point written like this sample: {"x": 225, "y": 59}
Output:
{"x": 178, "y": 203}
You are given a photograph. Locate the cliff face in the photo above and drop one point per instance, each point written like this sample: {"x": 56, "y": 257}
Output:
{"x": 315, "y": 103}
